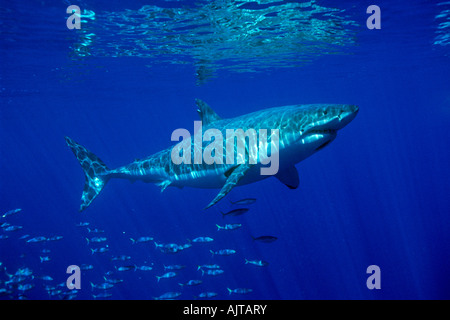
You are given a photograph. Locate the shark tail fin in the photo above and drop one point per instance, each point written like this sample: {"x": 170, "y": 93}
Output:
{"x": 95, "y": 172}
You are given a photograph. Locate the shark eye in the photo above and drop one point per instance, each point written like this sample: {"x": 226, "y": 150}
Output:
{"x": 325, "y": 112}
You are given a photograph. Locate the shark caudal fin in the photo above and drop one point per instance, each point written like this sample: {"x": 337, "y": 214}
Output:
{"x": 95, "y": 172}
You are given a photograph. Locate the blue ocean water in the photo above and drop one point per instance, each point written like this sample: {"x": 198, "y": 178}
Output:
{"x": 378, "y": 195}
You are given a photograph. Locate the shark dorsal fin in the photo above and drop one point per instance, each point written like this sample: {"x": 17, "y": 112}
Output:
{"x": 207, "y": 115}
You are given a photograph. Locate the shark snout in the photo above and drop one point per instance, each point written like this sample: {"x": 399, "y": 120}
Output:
{"x": 330, "y": 118}
{"x": 350, "y": 109}
{"x": 346, "y": 115}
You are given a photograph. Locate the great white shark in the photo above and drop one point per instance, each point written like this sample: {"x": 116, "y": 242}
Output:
{"x": 303, "y": 130}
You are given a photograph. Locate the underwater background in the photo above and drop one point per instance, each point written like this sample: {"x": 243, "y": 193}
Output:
{"x": 378, "y": 195}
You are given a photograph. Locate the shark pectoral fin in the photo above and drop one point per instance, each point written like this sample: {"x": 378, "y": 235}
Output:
{"x": 164, "y": 184}
{"x": 232, "y": 180}
{"x": 289, "y": 177}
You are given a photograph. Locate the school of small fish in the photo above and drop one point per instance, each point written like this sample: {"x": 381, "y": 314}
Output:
{"x": 17, "y": 283}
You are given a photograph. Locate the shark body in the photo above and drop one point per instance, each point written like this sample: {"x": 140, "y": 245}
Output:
{"x": 303, "y": 130}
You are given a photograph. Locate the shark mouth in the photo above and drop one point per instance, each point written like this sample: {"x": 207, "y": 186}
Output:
{"x": 323, "y": 145}
{"x": 329, "y": 132}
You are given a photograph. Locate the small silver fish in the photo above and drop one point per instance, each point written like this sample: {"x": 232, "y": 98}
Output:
{"x": 244, "y": 201}
{"x": 167, "y": 275}
{"x": 208, "y": 266}
{"x": 96, "y": 239}
{"x": 168, "y": 295}
{"x": 125, "y": 268}
{"x": 223, "y": 252}
{"x": 55, "y": 238}
{"x": 25, "y": 287}
{"x": 102, "y": 295}
{"x": 239, "y": 290}
{"x": 82, "y": 224}
{"x": 11, "y": 212}
{"x": 207, "y": 295}
{"x": 191, "y": 283}
{"x": 102, "y": 286}
{"x": 235, "y": 212}
{"x": 24, "y": 272}
{"x": 44, "y": 259}
{"x": 120, "y": 258}
{"x": 12, "y": 228}
{"x": 141, "y": 240}
{"x": 232, "y": 226}
{"x": 99, "y": 250}
{"x": 213, "y": 272}
{"x": 259, "y": 263}
{"x": 37, "y": 239}
{"x": 113, "y": 281}
{"x": 174, "y": 267}
{"x": 266, "y": 239}
{"x": 86, "y": 267}
{"x": 144, "y": 268}
{"x": 203, "y": 239}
